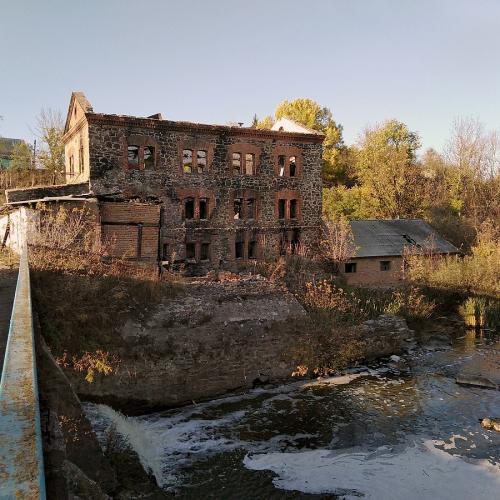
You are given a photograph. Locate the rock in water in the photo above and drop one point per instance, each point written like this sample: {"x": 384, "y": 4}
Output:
{"x": 491, "y": 423}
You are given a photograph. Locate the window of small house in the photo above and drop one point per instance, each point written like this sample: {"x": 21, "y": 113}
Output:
{"x": 293, "y": 209}
{"x": 189, "y": 208}
{"x": 250, "y": 214}
{"x": 205, "y": 251}
{"x": 190, "y": 251}
{"x": 71, "y": 165}
{"x": 203, "y": 208}
{"x": 238, "y": 202}
{"x": 249, "y": 163}
{"x": 149, "y": 157}
{"x": 236, "y": 163}
{"x": 281, "y": 165}
{"x": 252, "y": 249}
{"x": 201, "y": 161}
{"x": 187, "y": 161}
{"x": 281, "y": 209}
{"x": 350, "y": 267}
{"x": 385, "y": 265}
{"x": 293, "y": 166}
{"x": 133, "y": 155}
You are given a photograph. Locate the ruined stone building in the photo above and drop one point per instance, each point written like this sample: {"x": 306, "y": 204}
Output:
{"x": 206, "y": 195}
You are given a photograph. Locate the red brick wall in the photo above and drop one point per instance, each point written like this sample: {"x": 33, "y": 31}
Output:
{"x": 121, "y": 229}
{"x": 368, "y": 272}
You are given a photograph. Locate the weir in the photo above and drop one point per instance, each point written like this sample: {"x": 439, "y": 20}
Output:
{"x": 21, "y": 454}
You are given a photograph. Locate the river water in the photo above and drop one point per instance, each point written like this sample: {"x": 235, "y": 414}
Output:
{"x": 387, "y": 432}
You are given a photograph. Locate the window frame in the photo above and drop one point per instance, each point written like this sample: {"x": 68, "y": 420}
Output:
{"x": 350, "y": 267}
{"x": 282, "y": 156}
{"x": 385, "y": 266}
{"x": 205, "y": 201}
{"x": 205, "y": 244}
{"x": 141, "y": 143}
{"x": 282, "y": 203}
{"x": 248, "y": 153}
{"x": 71, "y": 171}
{"x": 184, "y": 164}
{"x": 191, "y": 200}
{"x": 151, "y": 159}
{"x": 190, "y": 244}
{"x": 198, "y": 158}
{"x": 81, "y": 167}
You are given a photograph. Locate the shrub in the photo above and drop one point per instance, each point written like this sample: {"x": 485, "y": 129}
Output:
{"x": 478, "y": 272}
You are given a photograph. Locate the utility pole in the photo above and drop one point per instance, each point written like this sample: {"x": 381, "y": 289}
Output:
{"x": 33, "y": 165}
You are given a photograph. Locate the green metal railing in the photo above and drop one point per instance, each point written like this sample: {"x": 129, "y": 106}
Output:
{"x": 21, "y": 454}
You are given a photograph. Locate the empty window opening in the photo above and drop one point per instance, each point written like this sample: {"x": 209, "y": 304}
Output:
{"x": 190, "y": 251}
{"x": 281, "y": 208}
{"x": 238, "y": 249}
{"x": 281, "y": 165}
{"x": 350, "y": 267}
{"x": 283, "y": 243}
{"x": 187, "y": 161}
{"x": 203, "y": 208}
{"x": 189, "y": 208}
{"x": 236, "y": 163}
{"x": 293, "y": 209}
{"x": 238, "y": 203}
{"x": 385, "y": 265}
{"x": 149, "y": 157}
{"x": 133, "y": 155}
{"x": 205, "y": 251}
{"x": 295, "y": 243}
{"x": 252, "y": 249}
{"x": 165, "y": 254}
{"x": 250, "y": 208}
{"x": 249, "y": 163}
{"x": 293, "y": 166}
{"x": 71, "y": 165}
{"x": 239, "y": 246}
{"x": 201, "y": 161}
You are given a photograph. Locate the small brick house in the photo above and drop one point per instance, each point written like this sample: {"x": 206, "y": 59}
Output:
{"x": 207, "y": 195}
{"x": 380, "y": 244}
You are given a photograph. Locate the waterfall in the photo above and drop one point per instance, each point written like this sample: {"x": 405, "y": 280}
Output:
{"x": 134, "y": 431}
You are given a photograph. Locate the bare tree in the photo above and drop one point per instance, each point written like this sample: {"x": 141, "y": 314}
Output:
{"x": 50, "y": 129}
{"x": 473, "y": 155}
{"x": 337, "y": 243}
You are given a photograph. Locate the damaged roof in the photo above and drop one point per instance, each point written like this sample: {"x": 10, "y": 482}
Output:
{"x": 384, "y": 238}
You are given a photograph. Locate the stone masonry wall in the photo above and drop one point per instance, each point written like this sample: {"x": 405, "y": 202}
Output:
{"x": 167, "y": 184}
{"x": 214, "y": 337}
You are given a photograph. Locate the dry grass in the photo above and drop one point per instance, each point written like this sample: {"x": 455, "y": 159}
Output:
{"x": 84, "y": 297}
{"x": 478, "y": 272}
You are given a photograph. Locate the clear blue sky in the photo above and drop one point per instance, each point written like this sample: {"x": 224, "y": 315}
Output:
{"x": 423, "y": 62}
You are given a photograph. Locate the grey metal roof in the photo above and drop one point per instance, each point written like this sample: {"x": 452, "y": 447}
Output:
{"x": 379, "y": 238}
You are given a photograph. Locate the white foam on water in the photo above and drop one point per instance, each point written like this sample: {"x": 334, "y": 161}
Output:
{"x": 142, "y": 441}
{"x": 164, "y": 444}
{"x": 416, "y": 472}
